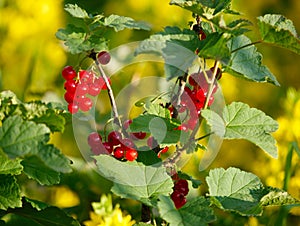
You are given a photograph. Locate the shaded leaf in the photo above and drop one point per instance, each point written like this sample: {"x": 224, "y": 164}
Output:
{"x": 147, "y": 183}
{"x": 194, "y": 212}
{"x": 246, "y": 62}
{"x": 35, "y": 169}
{"x": 18, "y": 137}
{"x": 280, "y": 31}
{"x": 10, "y": 196}
{"x": 215, "y": 121}
{"x": 10, "y": 166}
{"x": 119, "y": 23}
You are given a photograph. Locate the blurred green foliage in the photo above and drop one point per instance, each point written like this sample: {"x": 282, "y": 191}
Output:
{"x": 31, "y": 60}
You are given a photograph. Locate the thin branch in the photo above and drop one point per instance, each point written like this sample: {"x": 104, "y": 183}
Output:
{"x": 110, "y": 94}
{"x": 211, "y": 86}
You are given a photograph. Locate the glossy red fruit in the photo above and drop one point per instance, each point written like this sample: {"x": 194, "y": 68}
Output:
{"x": 94, "y": 90}
{"x": 162, "y": 151}
{"x": 114, "y": 137}
{"x": 131, "y": 154}
{"x": 178, "y": 199}
{"x": 86, "y": 76}
{"x": 127, "y": 143}
{"x": 68, "y": 73}
{"x": 182, "y": 186}
{"x": 70, "y": 86}
{"x": 82, "y": 89}
{"x": 119, "y": 152}
{"x": 139, "y": 135}
{"x": 94, "y": 139}
{"x": 73, "y": 108}
{"x": 69, "y": 97}
{"x": 101, "y": 83}
{"x": 108, "y": 146}
{"x": 86, "y": 104}
{"x": 103, "y": 57}
{"x": 127, "y": 123}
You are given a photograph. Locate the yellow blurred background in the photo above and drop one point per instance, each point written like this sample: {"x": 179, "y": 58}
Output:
{"x": 31, "y": 59}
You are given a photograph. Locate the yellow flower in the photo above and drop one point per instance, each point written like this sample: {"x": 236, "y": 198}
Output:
{"x": 105, "y": 215}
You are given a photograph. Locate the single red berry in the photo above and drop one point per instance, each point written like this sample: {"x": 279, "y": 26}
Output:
{"x": 162, "y": 151}
{"x": 103, "y": 57}
{"x": 131, "y": 154}
{"x": 114, "y": 137}
{"x": 202, "y": 35}
{"x": 82, "y": 89}
{"x": 73, "y": 108}
{"x": 127, "y": 143}
{"x": 193, "y": 81}
{"x": 182, "y": 127}
{"x": 68, "y": 73}
{"x": 178, "y": 199}
{"x": 86, "y": 104}
{"x": 94, "y": 90}
{"x": 182, "y": 186}
{"x": 119, "y": 152}
{"x": 69, "y": 97}
{"x": 70, "y": 86}
{"x": 108, "y": 146}
{"x": 86, "y": 76}
{"x": 101, "y": 83}
{"x": 94, "y": 139}
{"x": 139, "y": 135}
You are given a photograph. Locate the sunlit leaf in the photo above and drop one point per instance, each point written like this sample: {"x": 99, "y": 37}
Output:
{"x": 135, "y": 180}
{"x": 246, "y": 62}
{"x": 280, "y": 31}
{"x": 76, "y": 11}
{"x": 10, "y": 196}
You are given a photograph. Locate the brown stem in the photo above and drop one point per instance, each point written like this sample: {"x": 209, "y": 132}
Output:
{"x": 110, "y": 94}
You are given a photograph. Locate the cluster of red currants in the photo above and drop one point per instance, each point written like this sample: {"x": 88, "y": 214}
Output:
{"x": 193, "y": 99}
{"x": 180, "y": 191}
{"x": 120, "y": 148}
{"x": 79, "y": 86}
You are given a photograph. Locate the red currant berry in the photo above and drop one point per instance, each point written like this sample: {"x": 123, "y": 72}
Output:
{"x": 178, "y": 199}
{"x": 114, "y": 137}
{"x": 139, "y": 135}
{"x": 69, "y": 97}
{"x": 68, "y": 73}
{"x": 86, "y": 76}
{"x": 193, "y": 81}
{"x": 162, "y": 151}
{"x": 182, "y": 186}
{"x": 103, "y": 57}
{"x": 73, "y": 108}
{"x": 86, "y": 104}
{"x": 182, "y": 127}
{"x": 94, "y": 90}
{"x": 82, "y": 89}
{"x": 70, "y": 86}
{"x": 108, "y": 146}
{"x": 127, "y": 143}
{"x": 131, "y": 154}
{"x": 119, "y": 152}
{"x": 94, "y": 139}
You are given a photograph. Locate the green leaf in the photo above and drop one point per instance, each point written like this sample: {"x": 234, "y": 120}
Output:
{"x": 40, "y": 113}
{"x": 214, "y": 47}
{"x": 9, "y": 192}
{"x": 38, "y": 205}
{"x": 10, "y": 166}
{"x": 204, "y": 8}
{"x": 157, "y": 109}
{"x": 280, "y": 31}
{"x": 176, "y": 46}
{"x": 243, "y": 122}
{"x": 235, "y": 190}
{"x": 76, "y": 11}
{"x": 54, "y": 159}
{"x": 119, "y": 23}
{"x": 194, "y": 212}
{"x": 161, "y": 129}
{"x": 30, "y": 216}
{"x": 215, "y": 121}
{"x": 135, "y": 180}
{"x": 35, "y": 169}
{"x": 246, "y": 62}
{"x": 243, "y": 192}
{"x": 18, "y": 137}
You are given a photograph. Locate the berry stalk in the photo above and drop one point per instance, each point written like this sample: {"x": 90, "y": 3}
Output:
{"x": 110, "y": 94}
{"x": 211, "y": 84}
